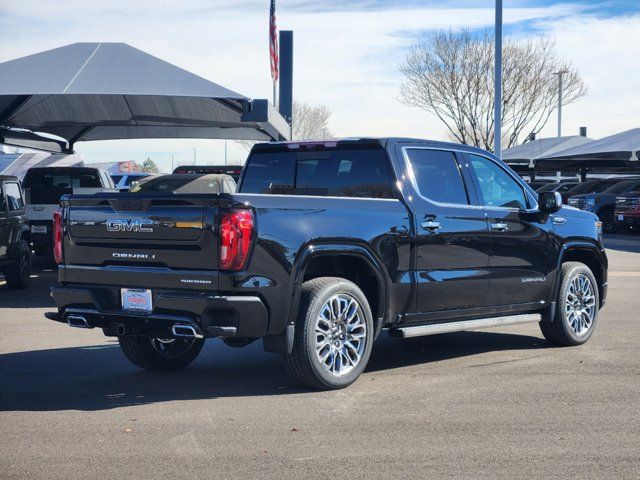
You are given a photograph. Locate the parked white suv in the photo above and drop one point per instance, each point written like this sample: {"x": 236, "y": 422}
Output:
{"x": 43, "y": 188}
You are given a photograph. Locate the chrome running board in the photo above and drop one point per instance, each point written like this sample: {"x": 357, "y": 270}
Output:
{"x": 448, "y": 327}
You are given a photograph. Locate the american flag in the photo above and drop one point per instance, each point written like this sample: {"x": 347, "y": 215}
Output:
{"x": 273, "y": 41}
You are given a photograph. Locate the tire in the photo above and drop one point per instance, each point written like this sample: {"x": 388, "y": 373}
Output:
{"x": 147, "y": 352}
{"x": 346, "y": 347}
{"x": 568, "y": 328}
{"x": 18, "y": 273}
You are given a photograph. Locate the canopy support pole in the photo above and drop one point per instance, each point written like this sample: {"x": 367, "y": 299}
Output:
{"x": 72, "y": 141}
{"x": 583, "y": 174}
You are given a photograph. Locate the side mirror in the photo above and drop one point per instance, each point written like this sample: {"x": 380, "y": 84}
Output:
{"x": 549, "y": 202}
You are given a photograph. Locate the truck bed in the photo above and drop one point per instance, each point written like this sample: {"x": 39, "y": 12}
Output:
{"x": 170, "y": 244}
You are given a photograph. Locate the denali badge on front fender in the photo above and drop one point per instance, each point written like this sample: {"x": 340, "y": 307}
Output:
{"x": 533, "y": 279}
{"x": 129, "y": 226}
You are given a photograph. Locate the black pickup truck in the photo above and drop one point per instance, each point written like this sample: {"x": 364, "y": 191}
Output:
{"x": 324, "y": 245}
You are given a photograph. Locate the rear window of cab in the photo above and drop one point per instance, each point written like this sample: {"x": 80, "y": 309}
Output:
{"x": 363, "y": 173}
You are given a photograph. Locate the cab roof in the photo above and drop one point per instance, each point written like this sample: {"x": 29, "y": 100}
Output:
{"x": 362, "y": 142}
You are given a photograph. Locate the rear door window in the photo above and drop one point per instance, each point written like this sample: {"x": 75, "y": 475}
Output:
{"x": 362, "y": 173}
{"x": 438, "y": 176}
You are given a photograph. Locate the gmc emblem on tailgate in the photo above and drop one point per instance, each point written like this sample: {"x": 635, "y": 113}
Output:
{"x": 129, "y": 226}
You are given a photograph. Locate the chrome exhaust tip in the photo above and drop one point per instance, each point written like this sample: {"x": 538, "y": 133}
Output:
{"x": 180, "y": 330}
{"x": 77, "y": 321}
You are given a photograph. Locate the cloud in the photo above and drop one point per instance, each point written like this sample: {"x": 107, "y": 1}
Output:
{"x": 346, "y": 55}
{"x": 605, "y": 50}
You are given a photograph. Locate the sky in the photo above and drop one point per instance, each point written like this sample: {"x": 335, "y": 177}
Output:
{"x": 346, "y": 56}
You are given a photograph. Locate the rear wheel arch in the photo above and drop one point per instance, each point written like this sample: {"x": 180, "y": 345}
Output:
{"x": 25, "y": 234}
{"x": 351, "y": 262}
{"x": 21, "y": 232}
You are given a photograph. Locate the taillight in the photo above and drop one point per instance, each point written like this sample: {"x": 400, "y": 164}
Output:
{"x": 57, "y": 236}
{"x": 236, "y": 232}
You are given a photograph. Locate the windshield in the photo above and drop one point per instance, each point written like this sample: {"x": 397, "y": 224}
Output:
{"x": 181, "y": 184}
{"x": 583, "y": 187}
{"x": 601, "y": 187}
{"x": 623, "y": 187}
{"x": 132, "y": 178}
{"x": 565, "y": 187}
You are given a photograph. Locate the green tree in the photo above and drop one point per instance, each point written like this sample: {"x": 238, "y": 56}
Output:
{"x": 149, "y": 166}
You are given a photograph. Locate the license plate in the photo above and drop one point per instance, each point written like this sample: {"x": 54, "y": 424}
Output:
{"x": 620, "y": 218}
{"x": 136, "y": 299}
{"x": 38, "y": 229}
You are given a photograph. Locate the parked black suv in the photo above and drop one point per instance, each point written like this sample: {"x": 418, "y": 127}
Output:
{"x": 325, "y": 245}
{"x": 15, "y": 252}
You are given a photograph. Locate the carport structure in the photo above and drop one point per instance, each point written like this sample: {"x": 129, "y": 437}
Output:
{"x": 523, "y": 158}
{"x": 109, "y": 91}
{"x": 617, "y": 152}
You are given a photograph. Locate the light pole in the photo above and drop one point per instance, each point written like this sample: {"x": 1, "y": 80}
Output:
{"x": 560, "y": 74}
{"x": 497, "y": 106}
{"x": 194, "y": 155}
{"x": 225, "y": 151}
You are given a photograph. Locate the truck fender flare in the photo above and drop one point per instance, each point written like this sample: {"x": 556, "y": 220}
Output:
{"x": 568, "y": 247}
{"x": 312, "y": 251}
{"x": 20, "y": 232}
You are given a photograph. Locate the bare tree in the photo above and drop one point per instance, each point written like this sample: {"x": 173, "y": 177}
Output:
{"x": 310, "y": 122}
{"x": 451, "y": 76}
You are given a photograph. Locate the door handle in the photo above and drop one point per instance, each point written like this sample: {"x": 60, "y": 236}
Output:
{"x": 430, "y": 225}
{"x": 500, "y": 227}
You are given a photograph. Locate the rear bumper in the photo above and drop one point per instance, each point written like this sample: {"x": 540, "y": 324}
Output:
{"x": 42, "y": 239}
{"x": 209, "y": 315}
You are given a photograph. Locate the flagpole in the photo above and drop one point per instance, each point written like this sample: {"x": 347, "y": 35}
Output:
{"x": 497, "y": 106}
{"x": 273, "y": 50}
{"x": 275, "y": 97}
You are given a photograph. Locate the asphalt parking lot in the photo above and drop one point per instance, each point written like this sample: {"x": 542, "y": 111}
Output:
{"x": 492, "y": 404}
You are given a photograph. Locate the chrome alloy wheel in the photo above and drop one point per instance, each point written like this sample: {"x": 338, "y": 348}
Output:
{"x": 341, "y": 334}
{"x": 171, "y": 347}
{"x": 580, "y": 305}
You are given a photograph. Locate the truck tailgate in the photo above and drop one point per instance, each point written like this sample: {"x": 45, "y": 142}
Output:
{"x": 155, "y": 231}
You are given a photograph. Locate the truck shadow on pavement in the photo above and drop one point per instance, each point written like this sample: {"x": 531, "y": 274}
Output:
{"x": 37, "y": 295}
{"x": 43, "y": 275}
{"x": 100, "y": 378}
